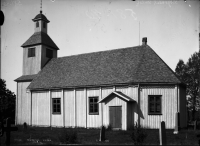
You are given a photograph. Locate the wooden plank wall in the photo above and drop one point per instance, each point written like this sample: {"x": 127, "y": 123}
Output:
{"x": 31, "y": 65}
{"x": 93, "y": 120}
{"x": 80, "y": 108}
{"x": 169, "y": 107}
{"x": 23, "y": 103}
{"x": 69, "y": 108}
{"x": 40, "y": 108}
{"x": 57, "y": 119}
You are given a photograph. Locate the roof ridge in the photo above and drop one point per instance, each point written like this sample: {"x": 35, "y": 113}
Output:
{"x": 110, "y": 50}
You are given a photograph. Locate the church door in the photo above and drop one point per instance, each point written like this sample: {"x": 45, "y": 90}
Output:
{"x": 115, "y": 116}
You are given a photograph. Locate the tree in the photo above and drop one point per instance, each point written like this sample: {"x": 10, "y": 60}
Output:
{"x": 7, "y": 101}
{"x": 189, "y": 74}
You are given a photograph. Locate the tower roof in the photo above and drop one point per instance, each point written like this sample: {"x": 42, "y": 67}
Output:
{"x": 41, "y": 17}
{"x": 40, "y": 38}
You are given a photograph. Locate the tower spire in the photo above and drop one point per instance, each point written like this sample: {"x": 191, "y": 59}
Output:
{"x": 41, "y": 7}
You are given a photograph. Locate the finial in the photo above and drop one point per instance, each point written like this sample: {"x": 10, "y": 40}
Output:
{"x": 41, "y": 7}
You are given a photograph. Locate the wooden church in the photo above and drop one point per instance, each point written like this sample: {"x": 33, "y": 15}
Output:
{"x": 117, "y": 87}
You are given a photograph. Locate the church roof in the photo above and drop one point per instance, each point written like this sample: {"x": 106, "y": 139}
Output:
{"x": 25, "y": 78}
{"x": 41, "y": 17}
{"x": 40, "y": 38}
{"x": 138, "y": 64}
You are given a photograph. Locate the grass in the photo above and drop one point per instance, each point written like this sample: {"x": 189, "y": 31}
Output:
{"x": 51, "y": 136}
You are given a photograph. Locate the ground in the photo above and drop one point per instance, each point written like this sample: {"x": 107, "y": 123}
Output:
{"x": 55, "y": 136}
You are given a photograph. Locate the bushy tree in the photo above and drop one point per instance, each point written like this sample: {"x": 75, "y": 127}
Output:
{"x": 7, "y": 101}
{"x": 189, "y": 73}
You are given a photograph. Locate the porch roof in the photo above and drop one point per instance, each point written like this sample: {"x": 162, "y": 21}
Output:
{"x": 120, "y": 94}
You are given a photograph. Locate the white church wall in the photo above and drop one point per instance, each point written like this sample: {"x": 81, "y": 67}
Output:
{"x": 40, "y": 108}
{"x": 23, "y": 103}
{"x": 69, "y": 108}
{"x": 93, "y": 120}
{"x": 169, "y": 106}
{"x": 80, "y": 108}
{"x": 57, "y": 119}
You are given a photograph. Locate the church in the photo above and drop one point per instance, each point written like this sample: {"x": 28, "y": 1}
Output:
{"x": 117, "y": 88}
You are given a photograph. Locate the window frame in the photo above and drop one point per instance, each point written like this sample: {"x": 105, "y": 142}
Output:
{"x": 56, "y": 112}
{"x": 37, "y": 24}
{"x": 44, "y": 24}
{"x": 31, "y": 53}
{"x": 154, "y": 102}
{"x": 93, "y": 113}
{"x": 47, "y": 54}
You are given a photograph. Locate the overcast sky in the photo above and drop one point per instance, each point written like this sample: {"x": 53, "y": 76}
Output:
{"x": 171, "y": 28}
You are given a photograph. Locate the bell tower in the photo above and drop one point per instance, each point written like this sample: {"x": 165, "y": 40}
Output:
{"x": 39, "y": 49}
{"x": 40, "y": 23}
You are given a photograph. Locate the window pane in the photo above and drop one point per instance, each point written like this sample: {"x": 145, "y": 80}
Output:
{"x": 37, "y": 24}
{"x": 91, "y": 109}
{"x": 151, "y": 107}
{"x": 54, "y": 101}
{"x": 33, "y": 51}
{"x": 91, "y": 100}
{"x": 58, "y": 101}
{"x": 58, "y": 110}
{"x": 157, "y": 99}
{"x": 151, "y": 99}
{"x": 44, "y": 25}
{"x": 49, "y": 53}
{"x": 157, "y": 107}
{"x": 95, "y": 100}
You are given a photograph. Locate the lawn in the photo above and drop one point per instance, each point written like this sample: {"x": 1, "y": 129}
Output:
{"x": 55, "y": 136}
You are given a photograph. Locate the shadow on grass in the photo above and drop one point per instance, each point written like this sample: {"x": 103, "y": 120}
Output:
{"x": 56, "y": 136}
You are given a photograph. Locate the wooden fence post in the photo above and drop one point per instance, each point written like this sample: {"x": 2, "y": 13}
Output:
{"x": 176, "y": 123}
{"x": 162, "y": 133}
{"x": 102, "y": 134}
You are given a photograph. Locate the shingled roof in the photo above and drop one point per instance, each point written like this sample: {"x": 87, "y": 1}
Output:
{"x": 25, "y": 78}
{"x": 40, "y": 38}
{"x": 128, "y": 65}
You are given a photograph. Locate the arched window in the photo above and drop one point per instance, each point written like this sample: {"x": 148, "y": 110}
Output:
{"x": 37, "y": 24}
{"x": 44, "y": 25}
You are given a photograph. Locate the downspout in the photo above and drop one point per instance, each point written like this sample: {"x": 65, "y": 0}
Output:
{"x": 31, "y": 109}
{"x": 138, "y": 104}
{"x": 101, "y": 107}
{"x": 86, "y": 107}
{"x": 50, "y": 108}
{"x": 16, "y": 106}
{"x": 63, "y": 108}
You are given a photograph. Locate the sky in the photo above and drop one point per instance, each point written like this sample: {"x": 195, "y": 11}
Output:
{"x": 83, "y": 26}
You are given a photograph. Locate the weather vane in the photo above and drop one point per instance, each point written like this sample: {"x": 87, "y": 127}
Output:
{"x": 41, "y": 7}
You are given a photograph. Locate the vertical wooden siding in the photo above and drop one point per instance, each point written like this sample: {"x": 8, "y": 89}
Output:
{"x": 169, "y": 107}
{"x": 69, "y": 108}
{"x": 93, "y": 120}
{"x": 57, "y": 119}
{"x": 32, "y": 65}
{"x": 23, "y": 104}
{"x": 80, "y": 108}
{"x": 40, "y": 108}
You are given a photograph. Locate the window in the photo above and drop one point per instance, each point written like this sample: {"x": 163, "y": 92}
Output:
{"x": 44, "y": 25}
{"x": 56, "y": 105}
{"x": 93, "y": 105}
{"x": 155, "y": 104}
{"x": 37, "y": 24}
{"x": 49, "y": 53}
{"x": 31, "y": 52}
